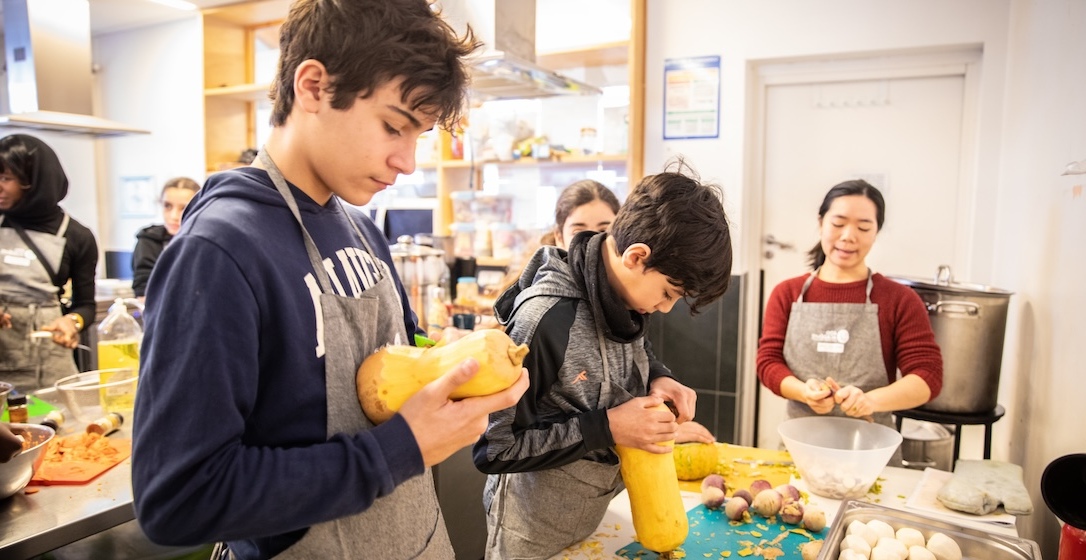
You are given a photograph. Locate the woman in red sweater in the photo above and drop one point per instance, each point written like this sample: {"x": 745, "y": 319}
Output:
{"x": 834, "y": 340}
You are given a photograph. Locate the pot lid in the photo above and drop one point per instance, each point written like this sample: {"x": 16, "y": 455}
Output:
{"x": 405, "y": 246}
{"x": 1063, "y": 487}
{"x": 918, "y": 430}
{"x": 943, "y": 281}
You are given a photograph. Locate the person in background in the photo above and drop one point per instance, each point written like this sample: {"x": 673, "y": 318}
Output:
{"x": 43, "y": 248}
{"x": 151, "y": 240}
{"x": 247, "y": 423}
{"x": 583, "y": 315}
{"x": 878, "y": 326}
{"x": 583, "y": 205}
{"x": 588, "y": 205}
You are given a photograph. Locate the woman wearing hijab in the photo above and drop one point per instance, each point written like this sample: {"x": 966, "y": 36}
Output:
{"x": 41, "y": 249}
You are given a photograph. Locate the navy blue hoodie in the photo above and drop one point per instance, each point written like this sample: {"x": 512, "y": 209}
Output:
{"x": 229, "y": 428}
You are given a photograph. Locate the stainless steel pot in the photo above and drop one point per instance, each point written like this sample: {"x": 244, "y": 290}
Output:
{"x": 969, "y": 321}
{"x": 926, "y": 444}
{"x": 423, "y": 272}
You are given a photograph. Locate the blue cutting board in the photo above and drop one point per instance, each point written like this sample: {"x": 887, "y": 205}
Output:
{"x": 711, "y": 534}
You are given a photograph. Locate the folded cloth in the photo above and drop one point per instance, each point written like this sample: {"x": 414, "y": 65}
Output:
{"x": 979, "y": 487}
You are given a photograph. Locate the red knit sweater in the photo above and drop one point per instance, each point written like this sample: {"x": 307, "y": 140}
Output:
{"x": 908, "y": 343}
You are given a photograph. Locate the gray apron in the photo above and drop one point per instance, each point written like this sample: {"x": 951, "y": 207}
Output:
{"x": 408, "y": 522}
{"x": 30, "y": 297}
{"x": 534, "y": 515}
{"x": 838, "y": 340}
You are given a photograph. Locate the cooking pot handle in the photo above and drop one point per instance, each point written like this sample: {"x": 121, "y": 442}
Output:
{"x": 943, "y": 276}
{"x": 967, "y": 307}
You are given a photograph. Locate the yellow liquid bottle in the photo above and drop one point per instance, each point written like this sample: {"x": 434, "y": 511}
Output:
{"x": 114, "y": 354}
{"x": 119, "y": 337}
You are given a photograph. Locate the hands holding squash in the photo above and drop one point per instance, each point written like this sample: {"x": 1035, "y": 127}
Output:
{"x": 443, "y": 426}
{"x": 642, "y": 423}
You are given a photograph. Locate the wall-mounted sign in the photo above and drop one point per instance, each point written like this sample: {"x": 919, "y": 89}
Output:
{"x": 139, "y": 197}
{"x": 692, "y": 97}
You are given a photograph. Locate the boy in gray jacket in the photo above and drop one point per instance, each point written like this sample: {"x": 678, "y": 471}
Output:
{"x": 583, "y": 314}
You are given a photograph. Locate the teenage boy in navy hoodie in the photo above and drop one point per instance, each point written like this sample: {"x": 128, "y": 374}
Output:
{"x": 247, "y": 424}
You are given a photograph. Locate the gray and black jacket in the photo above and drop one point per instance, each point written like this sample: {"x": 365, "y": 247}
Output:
{"x": 565, "y": 311}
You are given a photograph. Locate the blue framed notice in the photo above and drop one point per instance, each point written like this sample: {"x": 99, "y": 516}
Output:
{"x": 692, "y": 98}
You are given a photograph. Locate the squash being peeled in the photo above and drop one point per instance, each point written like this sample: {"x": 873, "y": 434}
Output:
{"x": 391, "y": 375}
{"x": 694, "y": 461}
{"x": 656, "y": 505}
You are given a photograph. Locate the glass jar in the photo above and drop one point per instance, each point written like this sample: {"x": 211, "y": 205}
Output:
{"x": 467, "y": 291}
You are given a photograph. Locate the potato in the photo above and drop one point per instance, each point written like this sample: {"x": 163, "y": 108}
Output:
{"x": 857, "y": 543}
{"x": 881, "y": 528}
{"x": 868, "y": 534}
{"x": 920, "y": 553}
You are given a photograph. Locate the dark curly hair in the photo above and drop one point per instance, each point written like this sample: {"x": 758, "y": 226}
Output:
{"x": 683, "y": 221}
{"x": 366, "y": 43}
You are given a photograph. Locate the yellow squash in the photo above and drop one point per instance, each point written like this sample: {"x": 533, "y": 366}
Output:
{"x": 655, "y": 503}
{"x": 390, "y": 376}
{"x": 695, "y": 461}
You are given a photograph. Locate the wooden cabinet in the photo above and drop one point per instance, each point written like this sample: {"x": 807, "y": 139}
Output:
{"x": 231, "y": 94}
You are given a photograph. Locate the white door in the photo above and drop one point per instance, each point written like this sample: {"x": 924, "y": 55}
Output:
{"x": 903, "y": 135}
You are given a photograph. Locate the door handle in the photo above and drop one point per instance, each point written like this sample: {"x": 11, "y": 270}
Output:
{"x": 771, "y": 240}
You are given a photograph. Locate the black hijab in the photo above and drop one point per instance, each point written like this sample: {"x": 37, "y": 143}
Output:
{"x": 34, "y": 163}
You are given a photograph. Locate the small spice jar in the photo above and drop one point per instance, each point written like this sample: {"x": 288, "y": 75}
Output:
{"x": 17, "y": 408}
{"x": 55, "y": 419}
{"x": 106, "y": 425}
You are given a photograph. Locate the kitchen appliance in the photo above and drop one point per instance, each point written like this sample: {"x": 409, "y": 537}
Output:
{"x": 969, "y": 321}
{"x": 1063, "y": 487}
{"x": 48, "y": 82}
{"x": 422, "y": 270}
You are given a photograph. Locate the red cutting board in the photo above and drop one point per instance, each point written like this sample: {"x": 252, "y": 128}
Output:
{"x": 712, "y": 535}
{"x": 80, "y": 472}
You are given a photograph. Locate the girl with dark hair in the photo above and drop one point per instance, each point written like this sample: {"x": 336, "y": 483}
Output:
{"x": 152, "y": 240}
{"x": 41, "y": 248}
{"x": 834, "y": 340}
{"x": 586, "y": 205}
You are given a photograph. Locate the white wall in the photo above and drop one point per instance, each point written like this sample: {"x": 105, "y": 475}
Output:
{"x": 151, "y": 77}
{"x": 1040, "y": 232}
{"x": 1030, "y": 223}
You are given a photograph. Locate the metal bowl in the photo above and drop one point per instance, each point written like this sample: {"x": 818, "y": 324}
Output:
{"x": 16, "y": 473}
{"x": 5, "y": 390}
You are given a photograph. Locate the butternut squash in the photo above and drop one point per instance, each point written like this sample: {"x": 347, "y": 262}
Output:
{"x": 656, "y": 505}
{"x": 390, "y": 376}
{"x": 694, "y": 460}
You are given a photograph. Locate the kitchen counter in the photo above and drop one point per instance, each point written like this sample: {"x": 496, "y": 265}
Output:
{"x": 31, "y": 524}
{"x": 616, "y": 530}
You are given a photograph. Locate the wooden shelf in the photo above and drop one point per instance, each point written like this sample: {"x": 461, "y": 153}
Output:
{"x": 246, "y": 92}
{"x": 616, "y": 53}
{"x": 251, "y": 14}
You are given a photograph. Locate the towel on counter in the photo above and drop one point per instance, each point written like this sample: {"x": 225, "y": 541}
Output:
{"x": 979, "y": 487}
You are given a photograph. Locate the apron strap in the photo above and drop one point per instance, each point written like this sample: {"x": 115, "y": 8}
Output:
{"x": 37, "y": 252}
{"x": 63, "y": 225}
{"x": 310, "y": 247}
{"x": 810, "y": 280}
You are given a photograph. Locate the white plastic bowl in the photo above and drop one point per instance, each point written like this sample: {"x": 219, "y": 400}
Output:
{"x": 838, "y": 457}
{"x": 16, "y": 473}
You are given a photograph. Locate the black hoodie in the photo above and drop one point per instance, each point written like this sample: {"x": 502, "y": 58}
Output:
{"x": 150, "y": 241}
{"x": 37, "y": 165}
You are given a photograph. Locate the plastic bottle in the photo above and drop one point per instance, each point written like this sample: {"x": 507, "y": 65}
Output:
{"x": 119, "y": 339}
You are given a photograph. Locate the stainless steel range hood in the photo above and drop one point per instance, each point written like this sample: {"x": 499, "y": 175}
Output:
{"x": 48, "y": 84}
{"x": 507, "y": 69}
